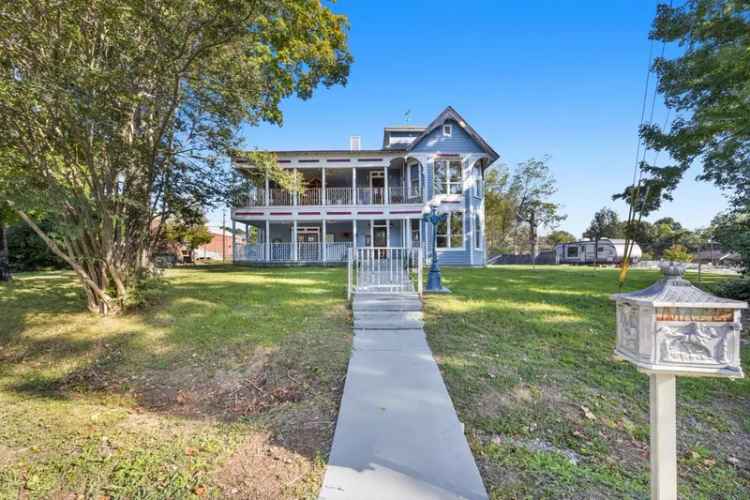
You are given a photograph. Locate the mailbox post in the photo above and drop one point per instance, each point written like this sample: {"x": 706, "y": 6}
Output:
{"x": 668, "y": 329}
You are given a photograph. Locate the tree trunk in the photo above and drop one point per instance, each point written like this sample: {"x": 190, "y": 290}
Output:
{"x": 533, "y": 240}
{"x": 4, "y": 254}
{"x": 94, "y": 283}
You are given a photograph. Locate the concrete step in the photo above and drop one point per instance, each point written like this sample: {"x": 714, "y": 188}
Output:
{"x": 386, "y": 306}
{"x": 395, "y": 296}
{"x": 388, "y": 315}
{"x": 387, "y": 324}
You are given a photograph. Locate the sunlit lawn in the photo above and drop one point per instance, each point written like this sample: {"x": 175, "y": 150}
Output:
{"x": 527, "y": 357}
{"x": 228, "y": 387}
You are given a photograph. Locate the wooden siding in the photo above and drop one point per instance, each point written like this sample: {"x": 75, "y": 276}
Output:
{"x": 458, "y": 142}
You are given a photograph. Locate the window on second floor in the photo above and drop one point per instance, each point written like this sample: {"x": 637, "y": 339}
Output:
{"x": 448, "y": 177}
{"x": 450, "y": 232}
{"x": 414, "y": 180}
{"x": 447, "y": 130}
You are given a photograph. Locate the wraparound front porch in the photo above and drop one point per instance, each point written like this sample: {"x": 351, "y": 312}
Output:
{"x": 321, "y": 241}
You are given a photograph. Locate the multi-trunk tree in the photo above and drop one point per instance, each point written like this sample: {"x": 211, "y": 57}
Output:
{"x": 119, "y": 115}
{"x": 533, "y": 186}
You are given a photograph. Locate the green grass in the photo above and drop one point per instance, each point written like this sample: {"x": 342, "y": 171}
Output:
{"x": 229, "y": 386}
{"x": 527, "y": 355}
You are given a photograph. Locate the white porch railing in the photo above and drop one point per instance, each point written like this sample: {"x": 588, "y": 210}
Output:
{"x": 337, "y": 252}
{"x": 291, "y": 252}
{"x": 280, "y": 198}
{"x": 250, "y": 253}
{"x": 383, "y": 270}
{"x": 333, "y": 196}
{"x": 311, "y": 196}
{"x": 339, "y": 196}
{"x": 281, "y": 252}
{"x": 370, "y": 196}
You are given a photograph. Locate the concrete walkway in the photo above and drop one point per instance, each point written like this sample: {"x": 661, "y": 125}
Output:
{"x": 397, "y": 435}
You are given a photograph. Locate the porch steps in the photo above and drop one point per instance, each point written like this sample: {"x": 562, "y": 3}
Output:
{"x": 408, "y": 315}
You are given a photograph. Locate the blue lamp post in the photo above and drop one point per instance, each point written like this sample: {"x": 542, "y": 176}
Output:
{"x": 434, "y": 282}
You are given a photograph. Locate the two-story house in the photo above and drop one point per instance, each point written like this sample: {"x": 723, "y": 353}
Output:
{"x": 373, "y": 198}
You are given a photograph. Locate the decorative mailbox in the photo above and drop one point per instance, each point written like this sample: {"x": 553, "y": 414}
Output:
{"x": 672, "y": 327}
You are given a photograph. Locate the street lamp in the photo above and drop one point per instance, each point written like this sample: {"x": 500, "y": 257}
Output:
{"x": 434, "y": 280}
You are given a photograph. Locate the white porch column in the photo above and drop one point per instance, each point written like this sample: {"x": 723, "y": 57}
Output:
{"x": 406, "y": 233}
{"x": 387, "y": 232}
{"x": 234, "y": 245}
{"x": 268, "y": 192}
{"x": 294, "y": 239}
{"x": 354, "y": 187}
{"x": 387, "y": 195}
{"x": 267, "y": 237}
{"x": 354, "y": 233}
{"x": 323, "y": 193}
{"x": 295, "y": 196}
{"x": 663, "y": 451}
{"x": 324, "y": 238}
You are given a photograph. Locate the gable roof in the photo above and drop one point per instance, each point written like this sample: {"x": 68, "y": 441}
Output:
{"x": 451, "y": 114}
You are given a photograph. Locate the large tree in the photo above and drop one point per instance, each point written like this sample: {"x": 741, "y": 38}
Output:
{"x": 118, "y": 115}
{"x": 605, "y": 224}
{"x": 6, "y": 217}
{"x": 500, "y": 208}
{"x": 558, "y": 237}
{"x": 707, "y": 86}
{"x": 533, "y": 186}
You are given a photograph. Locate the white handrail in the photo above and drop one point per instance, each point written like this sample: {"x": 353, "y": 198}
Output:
{"x": 349, "y": 264}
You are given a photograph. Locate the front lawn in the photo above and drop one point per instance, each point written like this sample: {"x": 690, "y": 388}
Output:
{"x": 228, "y": 387}
{"x": 527, "y": 357}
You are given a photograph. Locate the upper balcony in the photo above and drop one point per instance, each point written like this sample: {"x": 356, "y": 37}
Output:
{"x": 340, "y": 187}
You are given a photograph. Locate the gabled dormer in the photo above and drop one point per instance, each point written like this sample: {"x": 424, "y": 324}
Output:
{"x": 450, "y": 133}
{"x": 400, "y": 137}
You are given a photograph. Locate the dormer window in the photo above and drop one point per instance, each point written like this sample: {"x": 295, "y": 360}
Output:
{"x": 447, "y": 130}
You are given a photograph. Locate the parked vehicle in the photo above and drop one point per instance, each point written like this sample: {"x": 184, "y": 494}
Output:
{"x": 611, "y": 251}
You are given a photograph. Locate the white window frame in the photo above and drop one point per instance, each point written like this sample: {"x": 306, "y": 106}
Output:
{"x": 477, "y": 174}
{"x": 448, "y": 183}
{"x": 409, "y": 165}
{"x": 447, "y": 130}
{"x": 450, "y": 248}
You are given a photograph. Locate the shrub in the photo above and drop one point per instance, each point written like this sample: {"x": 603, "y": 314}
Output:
{"x": 677, "y": 253}
{"x": 738, "y": 289}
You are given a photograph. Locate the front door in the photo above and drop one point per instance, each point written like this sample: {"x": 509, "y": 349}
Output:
{"x": 308, "y": 243}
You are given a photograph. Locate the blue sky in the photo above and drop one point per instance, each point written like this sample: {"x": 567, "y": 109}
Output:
{"x": 563, "y": 79}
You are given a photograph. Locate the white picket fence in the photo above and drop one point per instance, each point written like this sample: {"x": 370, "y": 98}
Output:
{"x": 384, "y": 270}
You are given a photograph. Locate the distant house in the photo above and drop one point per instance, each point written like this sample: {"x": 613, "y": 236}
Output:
{"x": 584, "y": 252}
{"x": 719, "y": 257}
{"x": 218, "y": 248}
{"x": 358, "y": 198}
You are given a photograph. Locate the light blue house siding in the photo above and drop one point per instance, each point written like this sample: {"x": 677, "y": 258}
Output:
{"x": 458, "y": 143}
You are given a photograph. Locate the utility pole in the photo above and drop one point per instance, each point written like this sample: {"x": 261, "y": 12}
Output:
{"x": 223, "y": 235}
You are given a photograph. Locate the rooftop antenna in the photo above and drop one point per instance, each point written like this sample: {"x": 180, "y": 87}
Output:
{"x": 407, "y": 116}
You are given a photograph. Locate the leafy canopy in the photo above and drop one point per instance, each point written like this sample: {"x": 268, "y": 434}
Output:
{"x": 119, "y": 115}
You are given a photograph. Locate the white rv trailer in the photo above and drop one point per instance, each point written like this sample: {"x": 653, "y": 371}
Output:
{"x": 611, "y": 251}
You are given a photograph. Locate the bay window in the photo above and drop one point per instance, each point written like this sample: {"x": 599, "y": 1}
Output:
{"x": 450, "y": 232}
{"x": 448, "y": 177}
